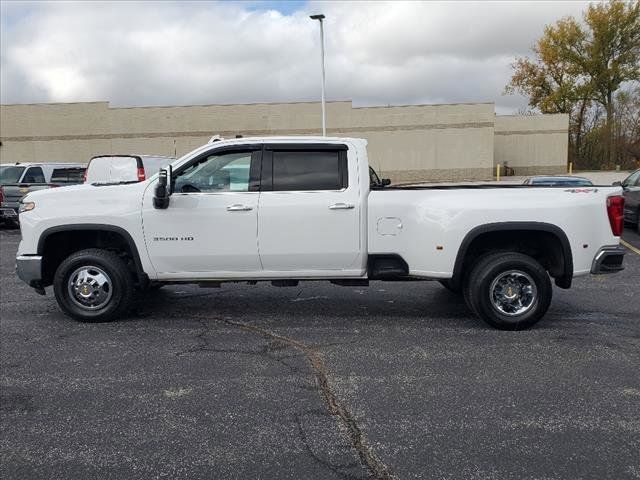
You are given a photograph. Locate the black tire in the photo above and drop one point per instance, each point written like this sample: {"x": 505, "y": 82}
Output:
{"x": 522, "y": 275}
{"x": 449, "y": 286}
{"x": 466, "y": 294}
{"x": 119, "y": 291}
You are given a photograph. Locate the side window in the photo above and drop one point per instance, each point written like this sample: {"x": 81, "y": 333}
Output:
{"x": 67, "y": 175}
{"x": 224, "y": 172}
{"x": 309, "y": 170}
{"x": 34, "y": 175}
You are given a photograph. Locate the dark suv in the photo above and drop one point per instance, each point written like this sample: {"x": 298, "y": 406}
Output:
{"x": 631, "y": 186}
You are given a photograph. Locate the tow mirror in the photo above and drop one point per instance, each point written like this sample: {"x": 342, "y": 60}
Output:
{"x": 162, "y": 191}
{"x": 617, "y": 184}
{"x": 385, "y": 182}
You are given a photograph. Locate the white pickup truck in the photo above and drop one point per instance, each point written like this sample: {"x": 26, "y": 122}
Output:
{"x": 288, "y": 209}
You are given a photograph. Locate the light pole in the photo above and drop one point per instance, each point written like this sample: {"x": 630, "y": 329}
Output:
{"x": 320, "y": 18}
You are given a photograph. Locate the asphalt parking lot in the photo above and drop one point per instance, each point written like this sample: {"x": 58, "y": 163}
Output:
{"x": 395, "y": 380}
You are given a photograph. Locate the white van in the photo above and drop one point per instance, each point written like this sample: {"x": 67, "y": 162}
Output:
{"x": 124, "y": 168}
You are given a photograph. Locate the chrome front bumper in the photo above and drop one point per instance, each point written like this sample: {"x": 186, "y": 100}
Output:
{"x": 29, "y": 269}
{"x": 608, "y": 260}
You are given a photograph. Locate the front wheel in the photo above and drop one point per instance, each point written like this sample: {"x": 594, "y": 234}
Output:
{"x": 93, "y": 285}
{"x": 509, "y": 291}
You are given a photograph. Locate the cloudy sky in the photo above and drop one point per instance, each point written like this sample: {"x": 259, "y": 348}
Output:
{"x": 183, "y": 53}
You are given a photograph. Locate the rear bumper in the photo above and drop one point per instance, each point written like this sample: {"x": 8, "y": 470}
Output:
{"x": 29, "y": 270}
{"x": 608, "y": 260}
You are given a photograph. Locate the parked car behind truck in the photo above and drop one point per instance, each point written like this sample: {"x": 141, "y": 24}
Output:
{"x": 124, "y": 168}
{"x": 305, "y": 209}
{"x": 19, "y": 179}
{"x": 558, "y": 181}
{"x": 631, "y": 192}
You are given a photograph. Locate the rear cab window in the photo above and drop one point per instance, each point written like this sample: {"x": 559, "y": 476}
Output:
{"x": 108, "y": 169}
{"x": 68, "y": 175}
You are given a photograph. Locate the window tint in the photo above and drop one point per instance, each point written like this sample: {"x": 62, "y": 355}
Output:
{"x": 308, "y": 170}
{"x": 34, "y": 175}
{"x": 10, "y": 174}
{"x": 226, "y": 172}
{"x": 67, "y": 175}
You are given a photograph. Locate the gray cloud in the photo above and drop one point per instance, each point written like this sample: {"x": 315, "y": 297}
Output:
{"x": 188, "y": 53}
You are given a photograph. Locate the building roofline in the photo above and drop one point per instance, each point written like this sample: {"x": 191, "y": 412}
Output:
{"x": 310, "y": 102}
{"x": 51, "y": 103}
{"x": 426, "y": 105}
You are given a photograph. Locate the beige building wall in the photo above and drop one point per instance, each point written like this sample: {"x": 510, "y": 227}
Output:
{"x": 532, "y": 144}
{"x": 406, "y": 143}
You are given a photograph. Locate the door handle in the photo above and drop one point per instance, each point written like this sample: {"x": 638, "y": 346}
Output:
{"x": 341, "y": 206}
{"x": 236, "y": 207}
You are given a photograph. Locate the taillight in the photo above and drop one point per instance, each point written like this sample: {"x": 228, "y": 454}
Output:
{"x": 53, "y": 185}
{"x": 1, "y": 194}
{"x": 615, "y": 211}
{"x": 141, "y": 176}
{"x": 84, "y": 177}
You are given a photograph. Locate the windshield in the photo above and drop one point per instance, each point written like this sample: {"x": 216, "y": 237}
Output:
{"x": 10, "y": 174}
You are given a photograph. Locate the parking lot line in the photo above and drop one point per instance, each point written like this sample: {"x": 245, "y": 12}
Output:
{"x": 630, "y": 247}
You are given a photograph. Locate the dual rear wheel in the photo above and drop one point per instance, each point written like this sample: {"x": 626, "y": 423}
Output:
{"x": 509, "y": 291}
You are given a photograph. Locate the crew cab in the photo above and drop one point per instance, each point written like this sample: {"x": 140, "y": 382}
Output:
{"x": 290, "y": 209}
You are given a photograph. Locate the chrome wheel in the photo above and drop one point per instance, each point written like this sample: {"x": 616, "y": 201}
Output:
{"x": 90, "y": 287}
{"x": 513, "y": 293}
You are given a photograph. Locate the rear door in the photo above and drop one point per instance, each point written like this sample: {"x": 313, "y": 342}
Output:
{"x": 310, "y": 211}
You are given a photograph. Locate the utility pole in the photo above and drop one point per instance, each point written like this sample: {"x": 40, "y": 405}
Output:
{"x": 320, "y": 17}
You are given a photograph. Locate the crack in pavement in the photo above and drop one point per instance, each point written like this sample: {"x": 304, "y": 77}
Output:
{"x": 269, "y": 351}
{"x": 329, "y": 466}
{"x": 369, "y": 459}
{"x": 376, "y": 468}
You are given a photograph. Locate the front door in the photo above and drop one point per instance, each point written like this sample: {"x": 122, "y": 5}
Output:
{"x": 209, "y": 229}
